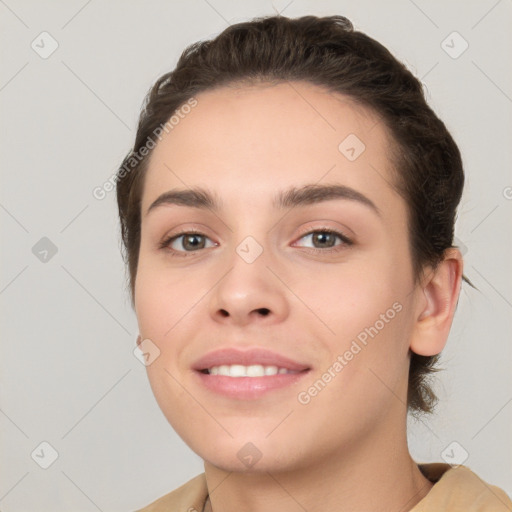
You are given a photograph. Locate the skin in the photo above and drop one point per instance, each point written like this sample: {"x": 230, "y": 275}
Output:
{"x": 347, "y": 448}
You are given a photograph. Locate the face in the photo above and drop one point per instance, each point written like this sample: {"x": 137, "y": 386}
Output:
{"x": 280, "y": 311}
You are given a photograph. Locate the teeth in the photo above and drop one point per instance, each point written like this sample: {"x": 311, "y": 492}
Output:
{"x": 255, "y": 370}
{"x": 271, "y": 370}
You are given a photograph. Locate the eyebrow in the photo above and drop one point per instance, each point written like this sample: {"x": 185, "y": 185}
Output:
{"x": 198, "y": 197}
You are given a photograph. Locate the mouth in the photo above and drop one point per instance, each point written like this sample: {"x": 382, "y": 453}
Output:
{"x": 239, "y": 370}
{"x": 247, "y": 375}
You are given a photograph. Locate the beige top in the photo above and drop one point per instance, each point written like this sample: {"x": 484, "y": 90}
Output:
{"x": 456, "y": 489}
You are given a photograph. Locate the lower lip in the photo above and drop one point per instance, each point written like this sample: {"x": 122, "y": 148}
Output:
{"x": 248, "y": 388}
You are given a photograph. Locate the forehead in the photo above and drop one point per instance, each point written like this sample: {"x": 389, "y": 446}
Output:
{"x": 248, "y": 141}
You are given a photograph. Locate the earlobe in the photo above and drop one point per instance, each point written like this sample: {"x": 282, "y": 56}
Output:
{"x": 441, "y": 292}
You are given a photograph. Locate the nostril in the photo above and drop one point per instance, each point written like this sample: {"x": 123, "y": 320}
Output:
{"x": 264, "y": 311}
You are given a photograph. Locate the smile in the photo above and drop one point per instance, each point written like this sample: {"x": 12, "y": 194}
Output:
{"x": 247, "y": 374}
{"x": 239, "y": 370}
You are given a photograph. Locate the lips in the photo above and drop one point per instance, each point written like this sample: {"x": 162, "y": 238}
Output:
{"x": 247, "y": 375}
{"x": 252, "y": 357}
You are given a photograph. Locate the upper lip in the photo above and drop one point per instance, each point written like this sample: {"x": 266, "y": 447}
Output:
{"x": 229, "y": 356}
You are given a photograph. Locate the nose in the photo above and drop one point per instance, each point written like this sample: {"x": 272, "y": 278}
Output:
{"x": 249, "y": 293}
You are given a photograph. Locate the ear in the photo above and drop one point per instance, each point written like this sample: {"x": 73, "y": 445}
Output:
{"x": 438, "y": 298}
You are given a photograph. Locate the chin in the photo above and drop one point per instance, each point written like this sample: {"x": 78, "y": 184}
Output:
{"x": 230, "y": 463}
{"x": 251, "y": 454}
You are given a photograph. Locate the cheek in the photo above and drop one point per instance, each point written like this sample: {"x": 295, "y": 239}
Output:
{"x": 346, "y": 299}
{"x": 161, "y": 299}
{"x": 363, "y": 325}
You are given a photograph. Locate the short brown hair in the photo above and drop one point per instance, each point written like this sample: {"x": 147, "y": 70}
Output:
{"x": 328, "y": 52}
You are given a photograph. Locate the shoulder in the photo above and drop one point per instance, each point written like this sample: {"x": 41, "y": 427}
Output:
{"x": 190, "y": 497}
{"x": 460, "y": 489}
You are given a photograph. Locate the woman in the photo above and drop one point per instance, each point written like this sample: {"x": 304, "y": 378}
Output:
{"x": 288, "y": 213}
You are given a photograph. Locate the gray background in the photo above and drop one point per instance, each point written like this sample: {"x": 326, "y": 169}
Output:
{"x": 68, "y": 374}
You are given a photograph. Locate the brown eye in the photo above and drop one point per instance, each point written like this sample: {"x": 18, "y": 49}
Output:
{"x": 186, "y": 242}
{"x": 192, "y": 242}
{"x": 323, "y": 239}
{"x": 326, "y": 239}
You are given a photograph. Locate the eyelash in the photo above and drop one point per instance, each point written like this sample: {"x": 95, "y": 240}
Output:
{"x": 164, "y": 244}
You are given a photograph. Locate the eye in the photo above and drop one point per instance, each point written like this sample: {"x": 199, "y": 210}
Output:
{"x": 324, "y": 240}
{"x": 189, "y": 241}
